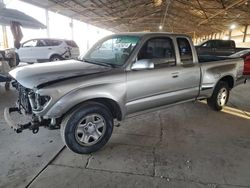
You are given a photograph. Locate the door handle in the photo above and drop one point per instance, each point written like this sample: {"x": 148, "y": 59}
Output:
{"x": 49, "y": 48}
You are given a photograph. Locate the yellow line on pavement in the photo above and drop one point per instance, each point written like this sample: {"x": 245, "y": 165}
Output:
{"x": 234, "y": 111}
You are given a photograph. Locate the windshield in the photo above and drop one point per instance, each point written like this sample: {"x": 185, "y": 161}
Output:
{"x": 113, "y": 51}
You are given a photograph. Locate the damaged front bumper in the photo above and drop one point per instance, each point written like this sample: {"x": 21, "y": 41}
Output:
{"x": 33, "y": 125}
{"x": 18, "y": 128}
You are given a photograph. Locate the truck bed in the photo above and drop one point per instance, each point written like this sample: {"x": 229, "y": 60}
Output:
{"x": 212, "y": 58}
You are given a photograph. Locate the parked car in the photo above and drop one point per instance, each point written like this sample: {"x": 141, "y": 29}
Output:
{"x": 44, "y": 50}
{"x": 218, "y": 48}
{"x": 4, "y": 69}
{"x": 122, "y": 75}
{"x": 245, "y": 54}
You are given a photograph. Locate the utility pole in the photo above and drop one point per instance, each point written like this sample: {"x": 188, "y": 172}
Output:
{"x": 4, "y": 31}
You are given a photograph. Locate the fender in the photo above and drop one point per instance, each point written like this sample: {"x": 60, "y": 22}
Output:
{"x": 115, "y": 92}
{"x": 212, "y": 74}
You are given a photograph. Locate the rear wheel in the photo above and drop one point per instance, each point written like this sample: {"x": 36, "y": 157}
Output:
{"x": 220, "y": 96}
{"x": 56, "y": 58}
{"x": 88, "y": 128}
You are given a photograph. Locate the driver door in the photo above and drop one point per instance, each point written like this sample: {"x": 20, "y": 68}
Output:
{"x": 164, "y": 84}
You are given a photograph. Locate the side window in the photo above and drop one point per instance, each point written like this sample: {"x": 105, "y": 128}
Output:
{"x": 208, "y": 44}
{"x": 160, "y": 50}
{"x": 53, "y": 42}
{"x": 41, "y": 43}
{"x": 226, "y": 44}
{"x": 71, "y": 43}
{"x": 31, "y": 43}
{"x": 185, "y": 50}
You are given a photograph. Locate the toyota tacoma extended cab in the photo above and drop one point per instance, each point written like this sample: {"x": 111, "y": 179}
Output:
{"x": 122, "y": 75}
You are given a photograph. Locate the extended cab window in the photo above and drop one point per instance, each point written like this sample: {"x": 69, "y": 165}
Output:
{"x": 185, "y": 50}
{"x": 160, "y": 50}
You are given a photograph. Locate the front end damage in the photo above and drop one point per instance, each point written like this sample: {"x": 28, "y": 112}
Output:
{"x": 36, "y": 97}
{"x": 29, "y": 103}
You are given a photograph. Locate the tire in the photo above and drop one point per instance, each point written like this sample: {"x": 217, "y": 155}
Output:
{"x": 219, "y": 97}
{"x": 7, "y": 86}
{"x": 17, "y": 59}
{"x": 80, "y": 132}
{"x": 55, "y": 58}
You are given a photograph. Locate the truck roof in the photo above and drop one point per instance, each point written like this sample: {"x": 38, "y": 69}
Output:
{"x": 141, "y": 34}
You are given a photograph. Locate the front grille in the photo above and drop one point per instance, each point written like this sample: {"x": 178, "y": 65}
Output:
{"x": 23, "y": 99}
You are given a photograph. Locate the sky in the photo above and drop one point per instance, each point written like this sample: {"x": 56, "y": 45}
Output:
{"x": 85, "y": 35}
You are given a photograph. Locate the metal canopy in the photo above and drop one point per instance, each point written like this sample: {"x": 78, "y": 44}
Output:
{"x": 11, "y": 15}
{"x": 184, "y": 16}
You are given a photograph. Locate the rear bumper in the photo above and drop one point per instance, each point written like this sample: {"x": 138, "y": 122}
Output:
{"x": 241, "y": 80}
{"x": 247, "y": 76}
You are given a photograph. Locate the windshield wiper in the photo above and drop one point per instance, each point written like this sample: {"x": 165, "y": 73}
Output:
{"x": 98, "y": 63}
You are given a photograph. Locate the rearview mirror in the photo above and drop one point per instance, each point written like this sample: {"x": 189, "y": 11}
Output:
{"x": 143, "y": 64}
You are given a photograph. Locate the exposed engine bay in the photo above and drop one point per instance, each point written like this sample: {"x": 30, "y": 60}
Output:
{"x": 29, "y": 102}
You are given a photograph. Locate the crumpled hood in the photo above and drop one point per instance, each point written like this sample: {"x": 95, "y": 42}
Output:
{"x": 34, "y": 75}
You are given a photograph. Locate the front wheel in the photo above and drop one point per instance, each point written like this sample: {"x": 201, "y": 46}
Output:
{"x": 219, "y": 97}
{"x": 88, "y": 128}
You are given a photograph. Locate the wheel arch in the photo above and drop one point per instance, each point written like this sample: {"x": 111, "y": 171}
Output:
{"x": 54, "y": 54}
{"x": 229, "y": 80}
{"x": 110, "y": 104}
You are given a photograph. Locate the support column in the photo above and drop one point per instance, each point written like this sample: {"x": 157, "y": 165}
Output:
{"x": 72, "y": 28}
{"x": 5, "y": 37}
{"x": 4, "y": 31}
{"x": 245, "y": 33}
{"x": 47, "y": 22}
{"x": 230, "y": 34}
{"x": 87, "y": 37}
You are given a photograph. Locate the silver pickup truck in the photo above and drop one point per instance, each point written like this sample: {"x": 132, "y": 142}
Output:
{"x": 122, "y": 75}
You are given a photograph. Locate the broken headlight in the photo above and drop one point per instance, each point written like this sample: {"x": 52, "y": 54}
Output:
{"x": 37, "y": 101}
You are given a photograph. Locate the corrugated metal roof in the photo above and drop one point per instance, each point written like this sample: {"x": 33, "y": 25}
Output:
{"x": 183, "y": 16}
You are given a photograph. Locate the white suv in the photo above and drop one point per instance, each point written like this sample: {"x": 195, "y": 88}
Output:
{"x": 43, "y": 50}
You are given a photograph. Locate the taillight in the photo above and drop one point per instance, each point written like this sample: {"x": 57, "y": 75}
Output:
{"x": 246, "y": 65}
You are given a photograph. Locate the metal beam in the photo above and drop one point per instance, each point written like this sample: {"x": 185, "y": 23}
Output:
{"x": 238, "y": 2}
{"x": 245, "y": 33}
{"x": 204, "y": 12}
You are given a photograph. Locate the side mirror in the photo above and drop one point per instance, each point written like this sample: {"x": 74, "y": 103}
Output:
{"x": 143, "y": 64}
